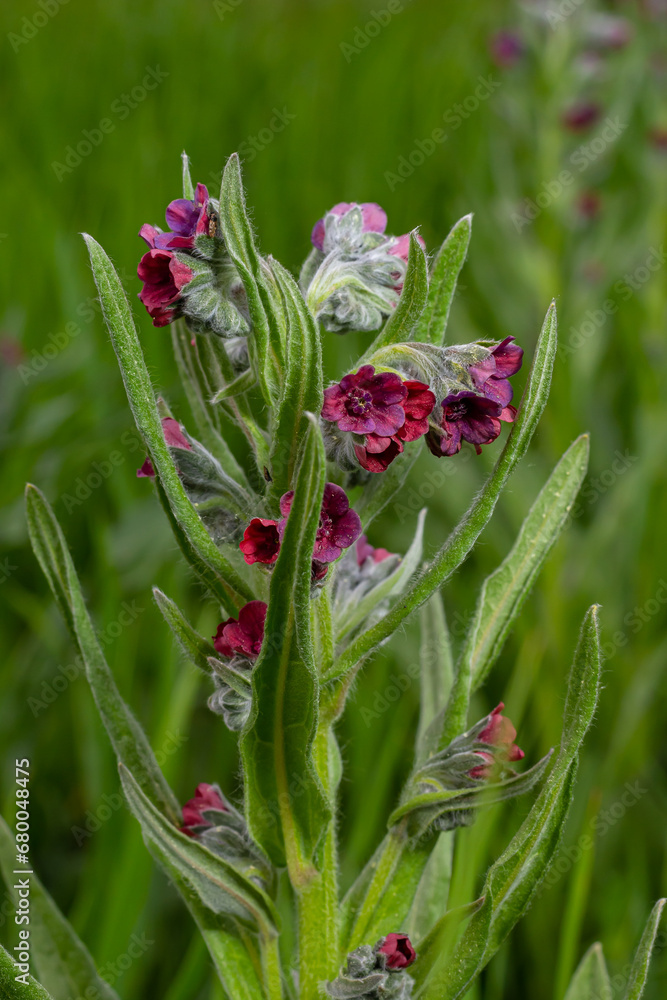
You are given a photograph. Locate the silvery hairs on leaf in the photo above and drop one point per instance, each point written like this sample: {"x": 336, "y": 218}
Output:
{"x": 365, "y": 976}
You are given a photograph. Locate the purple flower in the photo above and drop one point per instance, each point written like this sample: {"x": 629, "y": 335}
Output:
{"x": 245, "y": 636}
{"x": 163, "y": 276}
{"x": 491, "y": 376}
{"x": 398, "y": 951}
{"x": 261, "y": 542}
{"x": 465, "y": 417}
{"x": 374, "y": 220}
{"x": 377, "y": 453}
{"x": 500, "y": 734}
{"x": 185, "y": 218}
{"x": 206, "y": 797}
{"x": 366, "y": 403}
{"x": 506, "y": 48}
{"x": 339, "y": 526}
{"x": 366, "y": 551}
{"x": 173, "y": 435}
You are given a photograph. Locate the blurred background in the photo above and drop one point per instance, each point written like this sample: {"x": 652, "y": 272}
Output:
{"x": 549, "y": 122}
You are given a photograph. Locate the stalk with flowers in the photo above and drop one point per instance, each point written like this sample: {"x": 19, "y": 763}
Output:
{"x": 278, "y": 534}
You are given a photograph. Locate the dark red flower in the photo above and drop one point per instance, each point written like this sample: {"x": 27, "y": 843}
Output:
{"x": 318, "y": 570}
{"x": 374, "y": 220}
{"x": 581, "y": 116}
{"x": 206, "y": 797}
{"x": 163, "y": 277}
{"x": 261, "y": 542}
{"x": 339, "y": 525}
{"x": 377, "y": 453}
{"x": 366, "y": 551}
{"x": 500, "y": 734}
{"x": 186, "y": 218}
{"x": 398, "y": 951}
{"x": 244, "y": 636}
{"x": 173, "y": 435}
{"x": 418, "y": 405}
{"x": 366, "y": 403}
{"x": 465, "y": 417}
{"x": 491, "y": 375}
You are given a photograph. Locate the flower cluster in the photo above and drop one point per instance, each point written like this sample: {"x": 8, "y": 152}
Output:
{"x": 371, "y": 973}
{"x": 339, "y": 528}
{"x": 354, "y": 276}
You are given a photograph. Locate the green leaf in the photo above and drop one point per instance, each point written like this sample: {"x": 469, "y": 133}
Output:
{"x": 126, "y": 735}
{"x": 591, "y": 980}
{"x": 10, "y": 989}
{"x": 219, "y": 886}
{"x": 441, "y": 937}
{"x": 63, "y": 962}
{"x": 209, "y": 564}
{"x": 639, "y": 971}
{"x": 504, "y": 592}
{"x": 392, "y": 586}
{"x": 437, "y": 669}
{"x": 286, "y": 806}
{"x": 431, "y": 898}
{"x": 195, "y": 647}
{"x": 402, "y": 322}
{"x": 302, "y": 391}
{"x": 188, "y": 186}
{"x": 432, "y": 325}
{"x": 462, "y": 539}
{"x": 267, "y": 336}
{"x": 243, "y": 382}
{"x": 512, "y": 882}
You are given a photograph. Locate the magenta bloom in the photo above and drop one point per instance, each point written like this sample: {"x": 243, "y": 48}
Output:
{"x": 580, "y": 116}
{"x": 374, "y": 220}
{"x": 186, "y": 218}
{"x": 339, "y": 525}
{"x": 398, "y": 951}
{"x": 377, "y": 453}
{"x": 163, "y": 277}
{"x": 173, "y": 435}
{"x": 245, "y": 636}
{"x": 506, "y": 48}
{"x": 465, "y": 417}
{"x": 418, "y": 406}
{"x": 366, "y": 551}
{"x": 206, "y": 797}
{"x": 500, "y": 734}
{"x": 491, "y": 375}
{"x": 366, "y": 403}
{"x": 401, "y": 247}
{"x": 261, "y": 542}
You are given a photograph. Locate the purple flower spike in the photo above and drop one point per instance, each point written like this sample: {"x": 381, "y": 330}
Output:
{"x": 465, "y": 417}
{"x": 339, "y": 525}
{"x": 366, "y": 403}
{"x": 374, "y": 220}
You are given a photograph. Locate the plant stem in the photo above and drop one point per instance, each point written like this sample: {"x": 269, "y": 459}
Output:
{"x": 272, "y": 968}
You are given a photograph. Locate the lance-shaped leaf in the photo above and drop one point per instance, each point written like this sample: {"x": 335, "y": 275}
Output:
{"x": 639, "y": 970}
{"x": 246, "y": 380}
{"x": 512, "y": 882}
{"x": 302, "y": 391}
{"x": 63, "y": 962}
{"x": 286, "y": 806}
{"x": 436, "y": 671}
{"x": 127, "y": 737}
{"x": 11, "y": 988}
{"x": 354, "y": 613}
{"x": 440, "y": 939}
{"x": 462, "y": 539}
{"x": 432, "y": 325}
{"x": 400, "y": 325}
{"x": 267, "y": 336}
{"x": 188, "y": 186}
{"x": 210, "y": 565}
{"x": 195, "y": 647}
{"x": 504, "y": 592}
{"x": 219, "y": 886}
{"x": 591, "y": 979}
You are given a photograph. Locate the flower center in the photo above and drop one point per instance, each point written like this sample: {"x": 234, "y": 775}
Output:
{"x": 326, "y": 524}
{"x": 456, "y": 410}
{"x": 359, "y": 402}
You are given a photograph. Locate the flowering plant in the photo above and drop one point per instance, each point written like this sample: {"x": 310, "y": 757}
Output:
{"x": 273, "y": 533}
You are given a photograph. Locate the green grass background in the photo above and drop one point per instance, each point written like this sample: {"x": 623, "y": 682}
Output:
{"x": 355, "y": 114}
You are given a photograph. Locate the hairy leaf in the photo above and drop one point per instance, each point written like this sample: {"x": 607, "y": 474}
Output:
{"x": 401, "y": 324}
{"x": 10, "y": 989}
{"x": 591, "y": 979}
{"x": 432, "y": 326}
{"x": 639, "y": 971}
